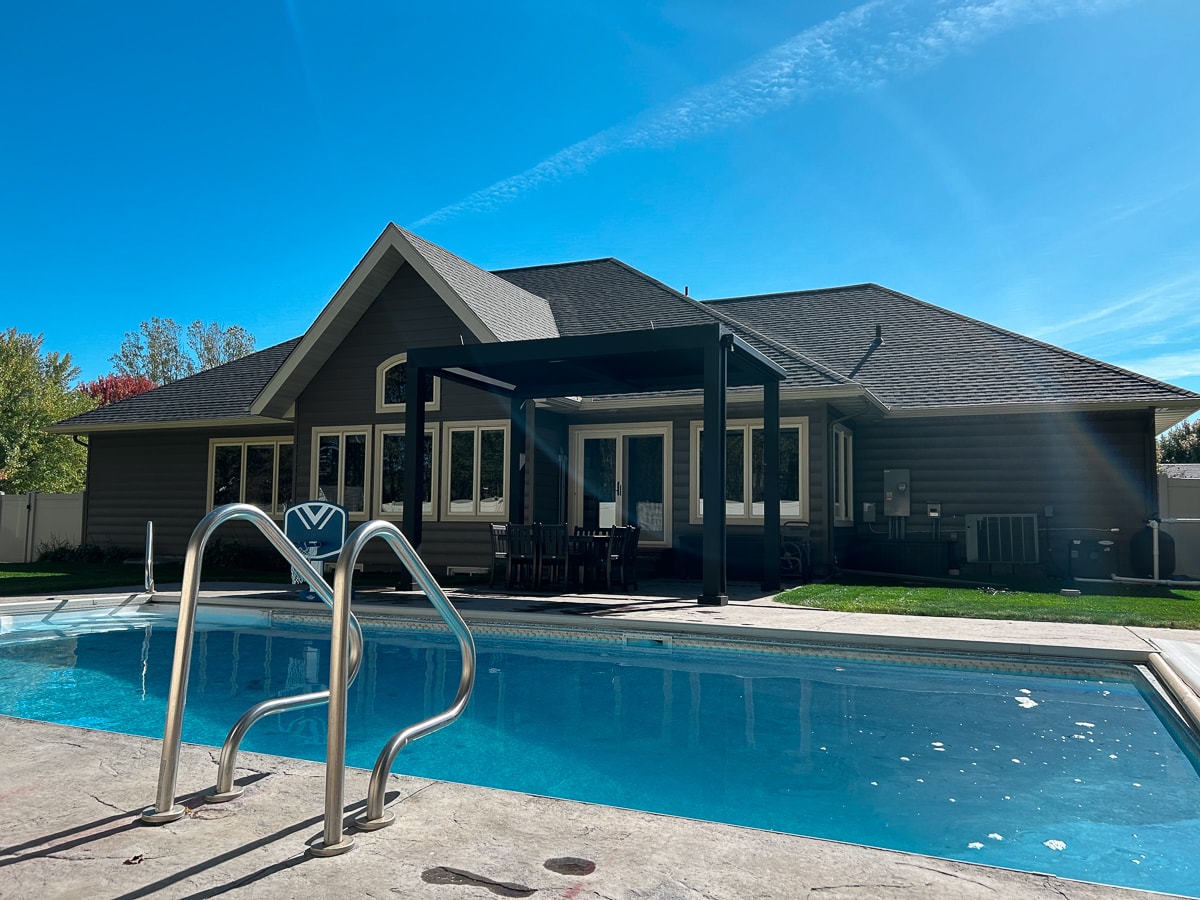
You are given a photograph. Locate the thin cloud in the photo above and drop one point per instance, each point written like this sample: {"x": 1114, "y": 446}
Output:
{"x": 862, "y": 48}
{"x": 1155, "y": 315}
{"x": 1169, "y": 367}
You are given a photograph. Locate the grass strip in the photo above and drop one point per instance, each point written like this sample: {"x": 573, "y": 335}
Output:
{"x": 1100, "y": 604}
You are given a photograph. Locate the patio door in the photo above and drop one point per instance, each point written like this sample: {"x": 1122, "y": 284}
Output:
{"x": 621, "y": 476}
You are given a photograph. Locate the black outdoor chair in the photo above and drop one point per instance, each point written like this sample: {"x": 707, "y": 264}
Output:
{"x": 522, "y": 554}
{"x": 591, "y": 552}
{"x": 622, "y": 556}
{"x": 499, "y": 550}
{"x": 553, "y": 554}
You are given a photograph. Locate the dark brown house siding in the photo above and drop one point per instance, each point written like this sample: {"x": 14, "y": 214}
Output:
{"x": 406, "y": 314}
{"x": 159, "y": 475}
{"x": 1082, "y": 474}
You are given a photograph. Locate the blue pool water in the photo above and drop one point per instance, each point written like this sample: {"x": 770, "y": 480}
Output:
{"x": 1076, "y": 771}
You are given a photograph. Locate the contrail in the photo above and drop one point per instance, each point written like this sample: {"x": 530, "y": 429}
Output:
{"x": 862, "y": 48}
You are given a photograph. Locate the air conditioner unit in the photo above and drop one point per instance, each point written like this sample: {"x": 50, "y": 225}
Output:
{"x": 1006, "y": 538}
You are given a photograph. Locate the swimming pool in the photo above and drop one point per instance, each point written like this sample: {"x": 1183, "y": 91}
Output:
{"x": 1077, "y": 770}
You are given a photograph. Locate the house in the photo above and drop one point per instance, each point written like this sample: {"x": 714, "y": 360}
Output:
{"x": 909, "y": 438}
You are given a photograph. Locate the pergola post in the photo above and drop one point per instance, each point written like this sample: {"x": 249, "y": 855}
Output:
{"x": 713, "y": 550}
{"x": 771, "y": 529}
{"x": 516, "y": 450}
{"x": 414, "y": 453}
{"x": 414, "y": 464}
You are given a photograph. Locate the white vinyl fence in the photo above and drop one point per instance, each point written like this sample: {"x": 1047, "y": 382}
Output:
{"x": 1179, "y": 498}
{"x": 27, "y": 521}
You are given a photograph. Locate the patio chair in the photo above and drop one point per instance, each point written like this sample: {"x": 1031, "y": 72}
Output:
{"x": 590, "y": 551}
{"x": 522, "y": 553}
{"x": 499, "y": 550}
{"x": 622, "y": 547}
{"x": 629, "y": 557}
{"x": 553, "y": 554}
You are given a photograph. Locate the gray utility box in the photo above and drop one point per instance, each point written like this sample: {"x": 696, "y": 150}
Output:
{"x": 895, "y": 492}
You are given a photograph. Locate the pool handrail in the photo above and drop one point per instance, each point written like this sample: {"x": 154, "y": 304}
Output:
{"x": 165, "y": 809}
{"x": 148, "y": 564}
{"x": 334, "y": 840}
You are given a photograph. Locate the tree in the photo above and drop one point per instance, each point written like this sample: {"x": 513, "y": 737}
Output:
{"x": 1180, "y": 444}
{"x": 213, "y": 345}
{"x": 160, "y": 351}
{"x": 35, "y": 391}
{"x": 112, "y": 388}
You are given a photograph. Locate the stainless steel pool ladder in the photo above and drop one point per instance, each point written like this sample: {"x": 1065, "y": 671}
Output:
{"x": 165, "y": 809}
{"x": 334, "y": 841}
{"x": 344, "y": 659}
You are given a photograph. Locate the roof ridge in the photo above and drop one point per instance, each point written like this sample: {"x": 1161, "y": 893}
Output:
{"x": 558, "y": 265}
{"x": 1145, "y": 379}
{"x": 730, "y": 320}
{"x": 769, "y": 295}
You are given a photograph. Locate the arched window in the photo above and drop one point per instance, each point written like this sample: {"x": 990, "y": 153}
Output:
{"x": 391, "y": 382}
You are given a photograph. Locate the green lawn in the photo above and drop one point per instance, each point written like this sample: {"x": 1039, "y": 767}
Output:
{"x": 1104, "y": 604}
{"x": 49, "y": 578}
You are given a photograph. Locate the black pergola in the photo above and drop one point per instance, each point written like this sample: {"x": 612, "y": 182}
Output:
{"x": 688, "y": 357}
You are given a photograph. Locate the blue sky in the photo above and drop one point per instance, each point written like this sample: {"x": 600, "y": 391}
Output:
{"x": 1032, "y": 163}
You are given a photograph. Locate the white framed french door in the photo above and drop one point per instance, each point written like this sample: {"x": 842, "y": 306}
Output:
{"x": 621, "y": 475}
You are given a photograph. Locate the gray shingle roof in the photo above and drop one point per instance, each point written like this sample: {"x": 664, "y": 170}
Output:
{"x": 224, "y": 392}
{"x": 509, "y": 311}
{"x": 931, "y": 357}
{"x": 601, "y": 295}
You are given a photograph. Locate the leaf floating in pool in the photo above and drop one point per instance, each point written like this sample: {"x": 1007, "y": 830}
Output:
{"x": 1026, "y": 691}
{"x": 1017, "y": 761}
{"x": 1026, "y": 702}
{"x": 975, "y": 845}
{"x": 996, "y": 837}
{"x": 1055, "y": 845}
{"x": 904, "y": 759}
{"x": 1086, "y": 724}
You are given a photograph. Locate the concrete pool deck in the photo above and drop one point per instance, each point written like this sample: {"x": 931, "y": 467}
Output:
{"x": 70, "y": 799}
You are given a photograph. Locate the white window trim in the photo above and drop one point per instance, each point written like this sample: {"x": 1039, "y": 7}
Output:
{"x": 694, "y": 515}
{"x": 577, "y": 434}
{"x": 381, "y": 379}
{"x": 277, "y": 508}
{"x": 430, "y": 512}
{"x": 475, "y": 515}
{"x": 843, "y": 465}
{"x": 314, "y": 460}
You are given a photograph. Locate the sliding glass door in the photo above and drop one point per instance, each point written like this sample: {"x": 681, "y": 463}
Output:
{"x": 621, "y": 476}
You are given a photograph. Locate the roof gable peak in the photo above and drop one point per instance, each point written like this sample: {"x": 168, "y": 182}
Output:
{"x": 491, "y": 308}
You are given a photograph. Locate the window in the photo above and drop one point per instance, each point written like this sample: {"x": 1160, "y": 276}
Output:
{"x": 843, "y": 475}
{"x": 255, "y": 470}
{"x": 389, "y": 474}
{"x": 475, "y": 476}
{"x": 339, "y": 468}
{"x": 391, "y": 382}
{"x": 745, "y": 473}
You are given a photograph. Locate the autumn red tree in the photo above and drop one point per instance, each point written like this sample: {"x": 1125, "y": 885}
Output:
{"x": 111, "y": 388}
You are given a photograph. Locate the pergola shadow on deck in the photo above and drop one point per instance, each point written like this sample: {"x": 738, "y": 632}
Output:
{"x": 690, "y": 357}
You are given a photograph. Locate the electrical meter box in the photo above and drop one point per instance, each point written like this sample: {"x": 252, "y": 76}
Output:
{"x": 895, "y": 492}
